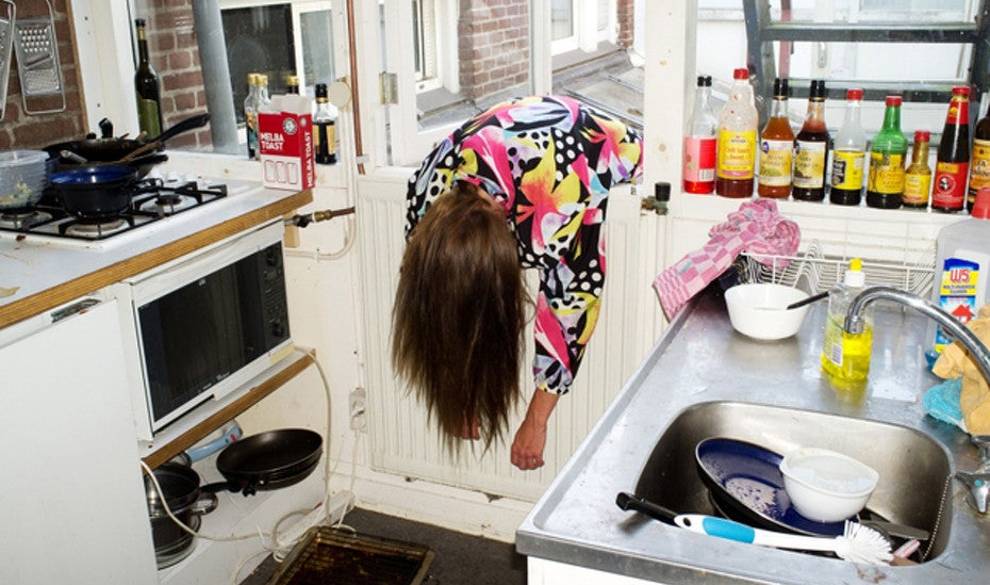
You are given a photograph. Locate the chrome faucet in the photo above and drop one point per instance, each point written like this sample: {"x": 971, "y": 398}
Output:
{"x": 979, "y": 482}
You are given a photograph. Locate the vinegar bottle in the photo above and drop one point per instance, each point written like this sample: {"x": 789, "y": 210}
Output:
{"x": 699, "y": 144}
{"x": 918, "y": 178}
{"x": 849, "y": 154}
{"x": 737, "y": 140}
{"x": 777, "y": 147}
{"x": 952, "y": 168}
{"x": 886, "y": 182}
{"x": 811, "y": 148}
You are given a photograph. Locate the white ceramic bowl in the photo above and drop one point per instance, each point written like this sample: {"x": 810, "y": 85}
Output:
{"x": 826, "y": 486}
{"x": 757, "y": 310}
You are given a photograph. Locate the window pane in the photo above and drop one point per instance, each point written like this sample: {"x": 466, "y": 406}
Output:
{"x": 317, "y": 45}
{"x": 259, "y": 40}
{"x": 604, "y": 14}
{"x": 875, "y": 11}
{"x": 562, "y": 19}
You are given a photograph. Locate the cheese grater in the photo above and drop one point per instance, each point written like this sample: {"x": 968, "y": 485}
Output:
{"x": 37, "y": 60}
{"x": 6, "y": 49}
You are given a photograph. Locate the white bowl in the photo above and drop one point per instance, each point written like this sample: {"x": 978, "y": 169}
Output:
{"x": 826, "y": 486}
{"x": 757, "y": 310}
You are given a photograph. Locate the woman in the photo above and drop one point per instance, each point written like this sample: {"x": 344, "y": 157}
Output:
{"x": 523, "y": 185}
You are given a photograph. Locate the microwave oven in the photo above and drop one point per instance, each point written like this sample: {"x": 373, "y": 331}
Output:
{"x": 204, "y": 325}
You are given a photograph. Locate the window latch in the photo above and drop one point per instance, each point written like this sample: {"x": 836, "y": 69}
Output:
{"x": 388, "y": 88}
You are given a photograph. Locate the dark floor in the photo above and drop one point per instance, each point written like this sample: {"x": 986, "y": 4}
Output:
{"x": 460, "y": 558}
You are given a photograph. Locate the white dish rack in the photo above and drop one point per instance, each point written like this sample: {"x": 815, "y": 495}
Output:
{"x": 815, "y": 272}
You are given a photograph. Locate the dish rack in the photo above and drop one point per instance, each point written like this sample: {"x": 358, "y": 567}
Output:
{"x": 815, "y": 272}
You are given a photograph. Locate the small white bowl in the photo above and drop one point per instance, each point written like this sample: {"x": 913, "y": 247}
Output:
{"x": 758, "y": 310}
{"x": 826, "y": 486}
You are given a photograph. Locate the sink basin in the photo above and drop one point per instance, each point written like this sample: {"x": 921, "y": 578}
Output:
{"x": 913, "y": 467}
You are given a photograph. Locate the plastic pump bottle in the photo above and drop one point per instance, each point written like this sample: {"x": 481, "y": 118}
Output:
{"x": 846, "y": 357}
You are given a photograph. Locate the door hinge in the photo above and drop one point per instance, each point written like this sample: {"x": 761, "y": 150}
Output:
{"x": 388, "y": 88}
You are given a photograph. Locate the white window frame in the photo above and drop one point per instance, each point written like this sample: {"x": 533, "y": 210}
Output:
{"x": 566, "y": 44}
{"x": 587, "y": 37}
{"x": 297, "y": 11}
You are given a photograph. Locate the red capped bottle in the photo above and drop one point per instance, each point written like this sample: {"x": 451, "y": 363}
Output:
{"x": 952, "y": 168}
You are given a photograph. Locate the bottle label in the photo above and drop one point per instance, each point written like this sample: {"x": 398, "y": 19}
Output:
{"x": 699, "y": 159}
{"x": 809, "y": 165}
{"x": 957, "y": 292}
{"x": 958, "y": 111}
{"x": 917, "y": 186}
{"x": 886, "y": 173}
{"x": 832, "y": 345}
{"x": 736, "y": 154}
{"x": 950, "y": 184}
{"x": 148, "y": 117}
{"x": 980, "y": 174}
{"x": 775, "y": 162}
{"x": 847, "y": 169}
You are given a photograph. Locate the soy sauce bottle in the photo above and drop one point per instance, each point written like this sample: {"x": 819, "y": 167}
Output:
{"x": 811, "y": 149}
{"x": 952, "y": 168}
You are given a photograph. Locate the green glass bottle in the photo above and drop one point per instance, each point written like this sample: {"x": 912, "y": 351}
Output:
{"x": 886, "y": 181}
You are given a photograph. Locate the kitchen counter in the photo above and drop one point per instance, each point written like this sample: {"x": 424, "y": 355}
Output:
{"x": 45, "y": 274}
{"x": 702, "y": 359}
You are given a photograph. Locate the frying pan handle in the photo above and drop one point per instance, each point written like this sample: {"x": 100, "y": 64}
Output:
{"x": 246, "y": 488}
{"x": 191, "y": 123}
{"x": 627, "y": 501}
{"x": 106, "y": 128}
{"x": 206, "y": 503}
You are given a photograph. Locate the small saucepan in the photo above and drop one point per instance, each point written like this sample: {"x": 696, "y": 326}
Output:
{"x": 180, "y": 489}
{"x": 268, "y": 461}
{"x": 95, "y": 192}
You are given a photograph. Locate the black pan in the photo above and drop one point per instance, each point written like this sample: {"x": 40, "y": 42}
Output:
{"x": 95, "y": 192}
{"x": 268, "y": 461}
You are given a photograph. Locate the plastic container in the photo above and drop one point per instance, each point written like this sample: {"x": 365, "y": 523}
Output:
{"x": 962, "y": 267}
{"x": 737, "y": 136}
{"x": 758, "y": 310}
{"x": 846, "y": 357}
{"x": 826, "y": 486}
{"x": 23, "y": 178}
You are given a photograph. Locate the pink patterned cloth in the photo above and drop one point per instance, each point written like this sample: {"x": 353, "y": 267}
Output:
{"x": 756, "y": 226}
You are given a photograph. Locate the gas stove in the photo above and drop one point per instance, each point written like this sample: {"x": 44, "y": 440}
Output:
{"x": 153, "y": 201}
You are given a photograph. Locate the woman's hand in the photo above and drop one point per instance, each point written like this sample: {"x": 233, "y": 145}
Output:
{"x": 531, "y": 438}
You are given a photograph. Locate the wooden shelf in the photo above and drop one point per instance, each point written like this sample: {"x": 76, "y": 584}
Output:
{"x": 211, "y": 416}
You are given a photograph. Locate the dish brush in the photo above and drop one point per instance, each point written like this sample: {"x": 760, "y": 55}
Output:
{"x": 858, "y": 543}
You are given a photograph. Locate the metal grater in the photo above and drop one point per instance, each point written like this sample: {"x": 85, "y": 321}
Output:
{"x": 38, "y": 64}
{"x": 6, "y": 49}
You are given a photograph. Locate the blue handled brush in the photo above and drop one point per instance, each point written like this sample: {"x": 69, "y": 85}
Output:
{"x": 858, "y": 544}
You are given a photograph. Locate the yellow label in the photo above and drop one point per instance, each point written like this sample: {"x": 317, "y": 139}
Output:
{"x": 847, "y": 169}
{"x": 809, "y": 165}
{"x": 917, "y": 186}
{"x": 775, "y": 162}
{"x": 886, "y": 173}
{"x": 736, "y": 154}
{"x": 980, "y": 171}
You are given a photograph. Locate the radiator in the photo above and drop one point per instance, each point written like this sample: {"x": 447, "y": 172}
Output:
{"x": 400, "y": 440}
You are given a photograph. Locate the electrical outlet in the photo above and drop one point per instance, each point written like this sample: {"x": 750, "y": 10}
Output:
{"x": 357, "y": 403}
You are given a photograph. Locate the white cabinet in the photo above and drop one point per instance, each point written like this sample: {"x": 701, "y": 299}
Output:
{"x": 544, "y": 572}
{"x": 72, "y": 508}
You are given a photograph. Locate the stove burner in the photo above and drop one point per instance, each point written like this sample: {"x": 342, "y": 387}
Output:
{"x": 23, "y": 219}
{"x": 167, "y": 203}
{"x": 95, "y": 228}
{"x": 168, "y": 199}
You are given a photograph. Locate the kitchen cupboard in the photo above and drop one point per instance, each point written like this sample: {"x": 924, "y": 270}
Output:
{"x": 73, "y": 507}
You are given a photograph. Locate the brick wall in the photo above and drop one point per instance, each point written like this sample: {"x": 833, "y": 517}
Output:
{"x": 19, "y": 130}
{"x": 493, "y": 44}
{"x": 175, "y": 56}
{"x": 625, "y": 14}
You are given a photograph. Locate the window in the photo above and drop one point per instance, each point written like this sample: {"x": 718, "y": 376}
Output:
{"x": 582, "y": 24}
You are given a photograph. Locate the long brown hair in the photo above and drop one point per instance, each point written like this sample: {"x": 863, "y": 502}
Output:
{"x": 459, "y": 315}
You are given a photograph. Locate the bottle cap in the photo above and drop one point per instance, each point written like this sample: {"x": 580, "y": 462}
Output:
{"x": 817, "y": 89}
{"x": 252, "y": 78}
{"x": 780, "y": 87}
{"x": 262, "y": 79}
{"x": 701, "y": 81}
{"x": 855, "y": 275}
{"x": 139, "y": 22}
{"x": 981, "y": 209}
{"x": 854, "y": 94}
{"x": 894, "y": 100}
{"x": 661, "y": 191}
{"x": 922, "y": 136}
{"x": 321, "y": 90}
{"x": 740, "y": 73}
{"x": 962, "y": 90}
{"x": 708, "y": 81}
{"x": 292, "y": 80}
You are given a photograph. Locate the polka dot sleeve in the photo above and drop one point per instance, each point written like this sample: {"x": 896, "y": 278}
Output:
{"x": 433, "y": 178}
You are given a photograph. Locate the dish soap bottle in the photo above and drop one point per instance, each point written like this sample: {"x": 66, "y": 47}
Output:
{"x": 845, "y": 356}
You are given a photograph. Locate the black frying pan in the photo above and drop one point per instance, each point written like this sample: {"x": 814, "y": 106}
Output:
{"x": 268, "y": 461}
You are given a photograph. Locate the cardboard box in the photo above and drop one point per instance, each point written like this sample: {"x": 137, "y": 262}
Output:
{"x": 285, "y": 144}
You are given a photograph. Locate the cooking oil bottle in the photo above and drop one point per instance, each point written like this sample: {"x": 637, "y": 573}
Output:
{"x": 845, "y": 356}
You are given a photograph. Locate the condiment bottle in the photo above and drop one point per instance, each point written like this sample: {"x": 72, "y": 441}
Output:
{"x": 886, "y": 180}
{"x": 849, "y": 154}
{"x": 979, "y": 172}
{"x": 811, "y": 148}
{"x": 952, "y": 168}
{"x": 776, "y": 147}
{"x": 737, "y": 140}
{"x": 918, "y": 178}
{"x": 699, "y": 143}
{"x": 251, "y": 116}
{"x": 324, "y": 128}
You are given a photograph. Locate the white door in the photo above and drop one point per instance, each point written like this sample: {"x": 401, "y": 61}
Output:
{"x": 73, "y": 507}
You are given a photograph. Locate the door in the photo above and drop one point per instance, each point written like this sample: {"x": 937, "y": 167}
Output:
{"x": 73, "y": 507}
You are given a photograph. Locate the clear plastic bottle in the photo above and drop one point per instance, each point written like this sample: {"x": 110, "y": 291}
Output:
{"x": 737, "y": 140}
{"x": 264, "y": 100}
{"x": 811, "y": 148}
{"x": 846, "y": 357}
{"x": 699, "y": 143}
{"x": 251, "y": 116}
{"x": 849, "y": 154}
{"x": 777, "y": 147}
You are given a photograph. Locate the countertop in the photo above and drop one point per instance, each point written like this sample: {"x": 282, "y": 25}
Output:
{"x": 45, "y": 274}
{"x": 702, "y": 359}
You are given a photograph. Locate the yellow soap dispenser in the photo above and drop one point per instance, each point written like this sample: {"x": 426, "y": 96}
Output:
{"x": 846, "y": 357}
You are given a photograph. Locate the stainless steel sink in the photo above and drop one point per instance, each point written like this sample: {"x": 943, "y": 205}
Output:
{"x": 913, "y": 467}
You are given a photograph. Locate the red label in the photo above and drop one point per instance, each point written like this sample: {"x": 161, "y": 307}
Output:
{"x": 950, "y": 185}
{"x": 699, "y": 159}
